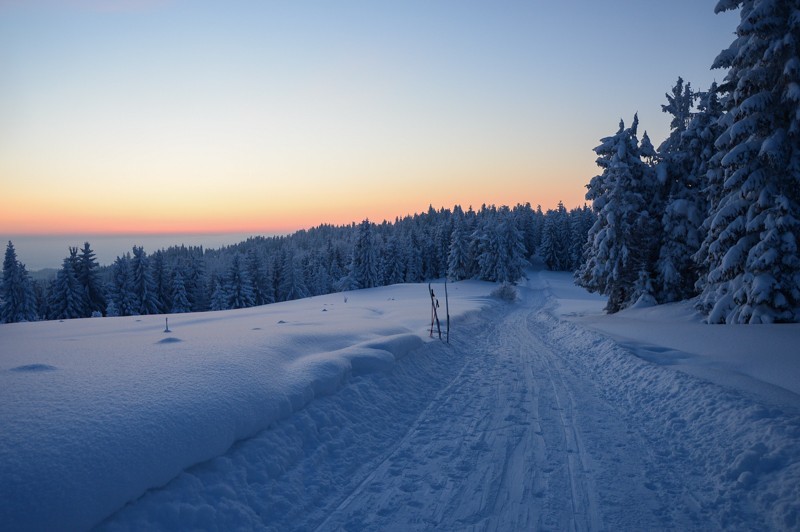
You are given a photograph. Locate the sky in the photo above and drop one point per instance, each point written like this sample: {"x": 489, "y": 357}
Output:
{"x": 262, "y": 117}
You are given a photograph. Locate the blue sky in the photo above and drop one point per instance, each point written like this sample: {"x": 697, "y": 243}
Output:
{"x": 193, "y": 116}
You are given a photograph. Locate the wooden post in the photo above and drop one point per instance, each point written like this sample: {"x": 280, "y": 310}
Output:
{"x": 447, "y": 309}
{"x": 167, "y": 323}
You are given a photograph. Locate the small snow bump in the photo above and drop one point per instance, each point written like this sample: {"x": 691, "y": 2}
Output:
{"x": 33, "y": 368}
{"x": 170, "y": 340}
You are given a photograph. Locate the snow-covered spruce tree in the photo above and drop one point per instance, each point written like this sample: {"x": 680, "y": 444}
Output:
{"x": 88, "y": 274}
{"x": 259, "y": 280}
{"x": 459, "y": 260}
{"x": 684, "y": 201}
{"x": 364, "y": 261}
{"x": 162, "y": 281}
{"x": 17, "y": 298}
{"x": 239, "y": 288}
{"x": 413, "y": 256}
{"x": 556, "y": 240}
{"x": 67, "y": 296}
{"x": 531, "y": 224}
{"x": 622, "y": 242}
{"x": 292, "y": 281}
{"x": 143, "y": 286}
{"x": 511, "y": 247}
{"x": 702, "y": 133}
{"x": 219, "y": 293}
{"x": 180, "y": 300}
{"x": 754, "y": 272}
{"x": 392, "y": 263}
{"x": 486, "y": 245}
{"x": 122, "y": 290}
{"x": 196, "y": 281}
{"x": 581, "y": 221}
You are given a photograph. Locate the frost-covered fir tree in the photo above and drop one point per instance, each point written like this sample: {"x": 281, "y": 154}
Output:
{"x": 364, "y": 261}
{"x": 122, "y": 290}
{"x": 88, "y": 274}
{"x": 392, "y": 263}
{"x": 180, "y": 300}
{"x": 162, "y": 281}
{"x": 511, "y": 245}
{"x": 196, "y": 281}
{"x": 239, "y": 288}
{"x": 143, "y": 285}
{"x": 413, "y": 254}
{"x": 458, "y": 260}
{"x": 259, "y": 280}
{"x": 67, "y": 295}
{"x": 684, "y": 201}
{"x": 556, "y": 240}
{"x": 17, "y": 298}
{"x": 622, "y": 242}
{"x": 754, "y": 273}
{"x": 486, "y": 245}
{"x": 219, "y": 293}
{"x": 292, "y": 281}
{"x": 581, "y": 221}
{"x": 702, "y": 133}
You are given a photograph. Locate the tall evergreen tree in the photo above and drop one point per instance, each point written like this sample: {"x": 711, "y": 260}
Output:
{"x": 458, "y": 259}
{"x": 622, "y": 241}
{"x": 122, "y": 293}
{"x": 754, "y": 275}
{"x": 239, "y": 288}
{"x": 17, "y": 297}
{"x": 685, "y": 203}
{"x": 144, "y": 287}
{"x": 219, "y": 293}
{"x": 162, "y": 281}
{"x": 259, "y": 281}
{"x": 702, "y": 133}
{"x": 67, "y": 298}
{"x": 293, "y": 283}
{"x": 180, "y": 300}
{"x": 556, "y": 240}
{"x": 88, "y": 275}
{"x": 364, "y": 261}
{"x": 511, "y": 246}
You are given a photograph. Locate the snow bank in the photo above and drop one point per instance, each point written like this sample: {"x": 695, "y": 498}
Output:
{"x": 95, "y": 412}
{"x": 721, "y": 398}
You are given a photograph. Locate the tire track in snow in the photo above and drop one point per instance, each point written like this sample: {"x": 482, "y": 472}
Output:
{"x": 498, "y": 449}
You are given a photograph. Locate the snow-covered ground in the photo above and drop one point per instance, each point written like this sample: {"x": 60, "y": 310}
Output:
{"x": 330, "y": 414}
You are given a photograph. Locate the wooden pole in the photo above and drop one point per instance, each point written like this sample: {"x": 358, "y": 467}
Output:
{"x": 447, "y": 309}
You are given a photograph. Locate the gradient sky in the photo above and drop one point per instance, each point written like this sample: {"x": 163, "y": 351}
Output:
{"x": 267, "y": 116}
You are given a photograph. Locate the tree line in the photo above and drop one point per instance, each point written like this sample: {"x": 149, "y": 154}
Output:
{"x": 713, "y": 212}
{"x": 493, "y": 244}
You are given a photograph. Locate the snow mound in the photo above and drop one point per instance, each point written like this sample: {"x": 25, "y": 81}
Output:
{"x": 33, "y": 368}
{"x": 170, "y": 340}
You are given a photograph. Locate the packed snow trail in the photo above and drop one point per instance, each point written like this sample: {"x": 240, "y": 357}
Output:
{"x": 525, "y": 422}
{"x": 502, "y": 448}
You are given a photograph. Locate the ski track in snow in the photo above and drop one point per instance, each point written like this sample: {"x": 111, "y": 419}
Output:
{"x": 526, "y": 422}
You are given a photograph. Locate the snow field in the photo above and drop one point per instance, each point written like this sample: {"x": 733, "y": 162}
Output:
{"x": 319, "y": 414}
{"x": 97, "y": 411}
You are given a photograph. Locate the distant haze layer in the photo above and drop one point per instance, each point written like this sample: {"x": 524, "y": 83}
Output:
{"x": 40, "y": 252}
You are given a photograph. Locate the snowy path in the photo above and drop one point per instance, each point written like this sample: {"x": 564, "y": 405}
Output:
{"x": 497, "y": 449}
{"x": 502, "y": 447}
{"x": 525, "y": 422}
